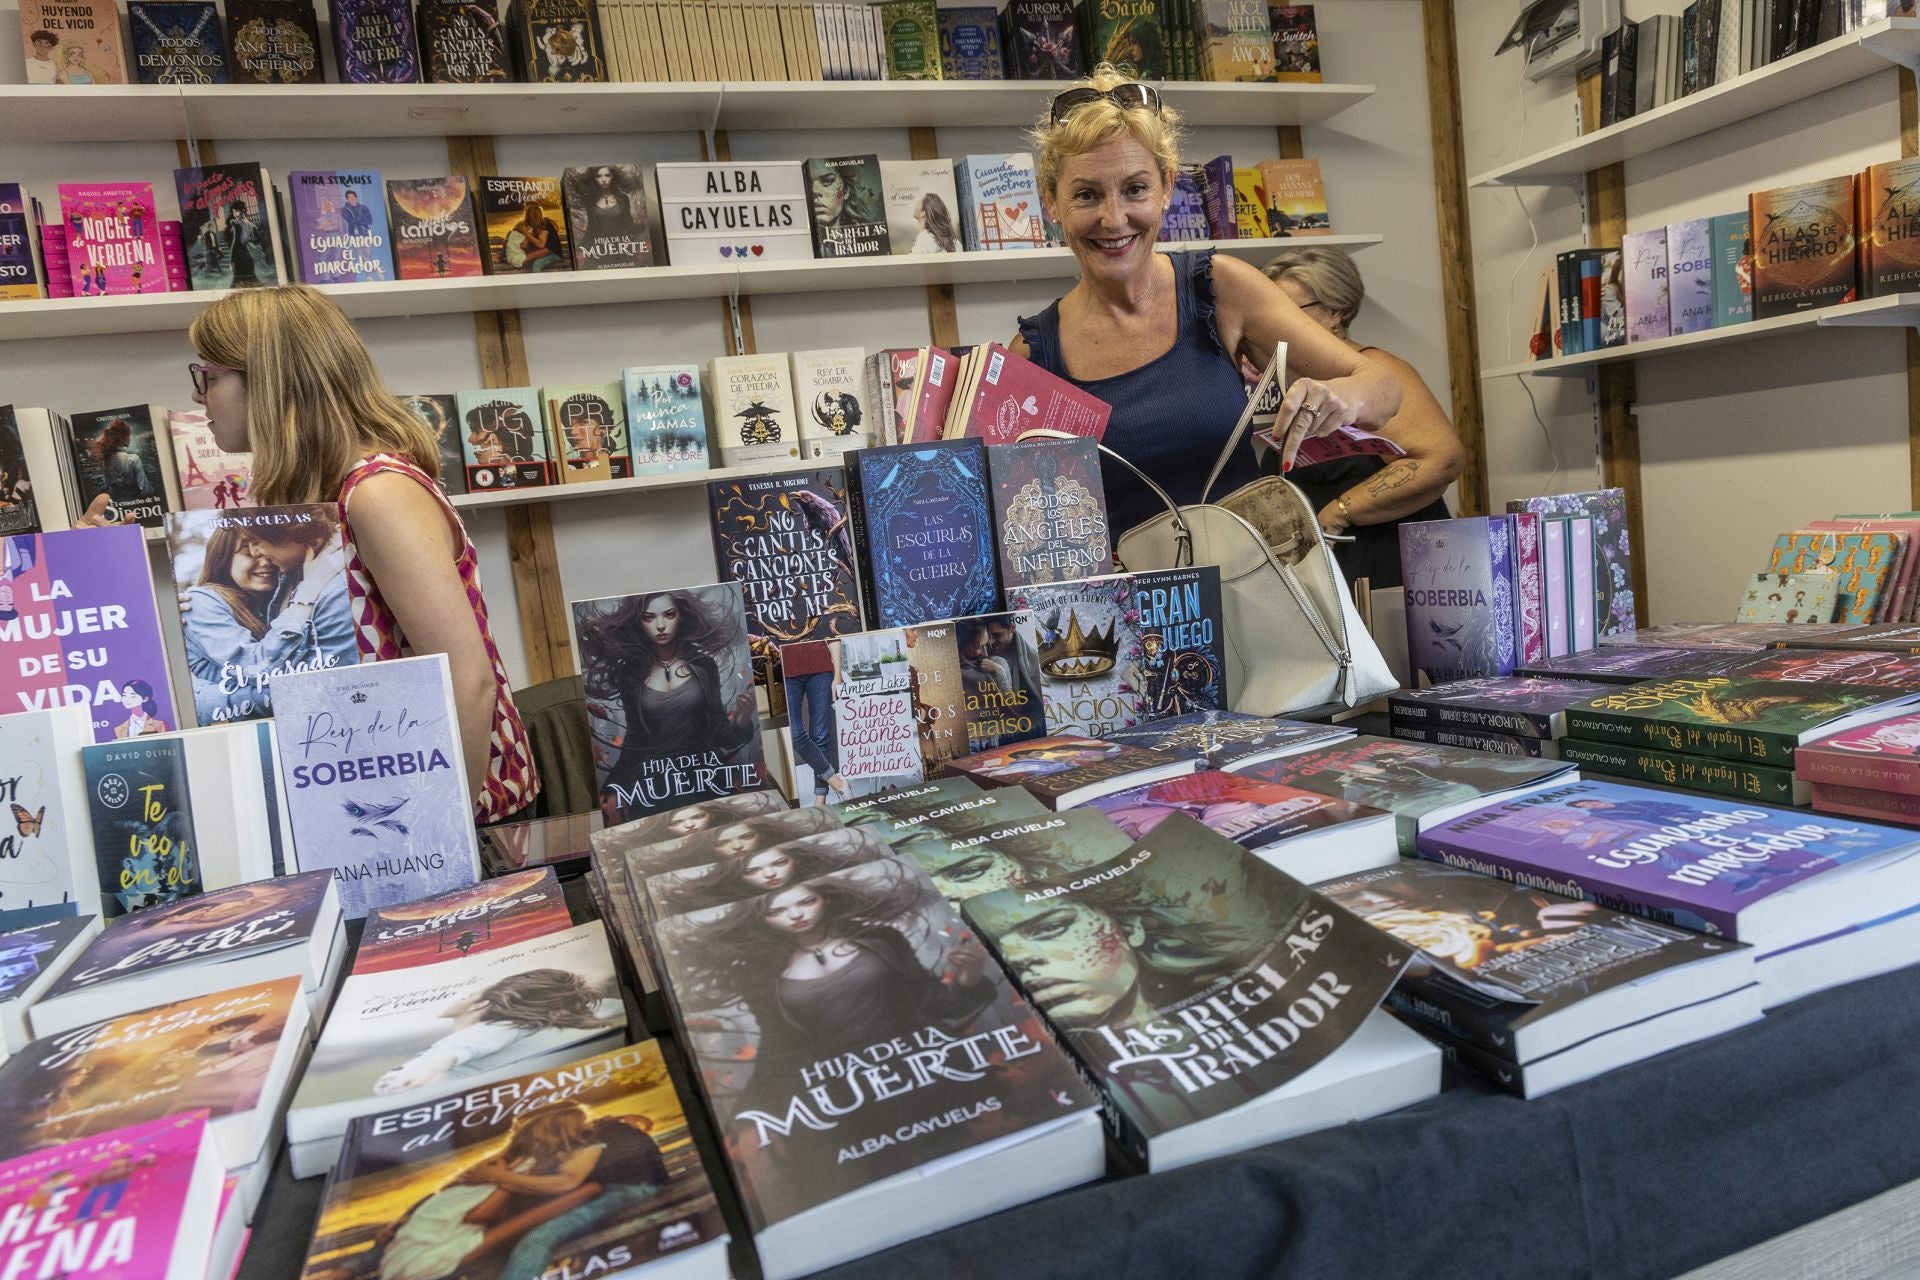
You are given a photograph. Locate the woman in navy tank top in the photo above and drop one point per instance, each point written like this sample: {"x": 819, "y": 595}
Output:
{"x": 1159, "y": 336}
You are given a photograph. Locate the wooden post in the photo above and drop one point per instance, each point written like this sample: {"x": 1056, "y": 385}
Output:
{"x": 1909, "y": 147}
{"x": 537, "y": 588}
{"x": 1619, "y": 427}
{"x": 943, "y": 321}
{"x": 1290, "y": 145}
{"x": 1456, "y": 250}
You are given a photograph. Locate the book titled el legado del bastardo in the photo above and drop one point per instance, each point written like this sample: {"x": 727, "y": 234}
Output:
{"x": 1732, "y": 717}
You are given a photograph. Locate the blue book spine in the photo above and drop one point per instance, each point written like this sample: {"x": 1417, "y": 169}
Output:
{"x": 927, "y": 517}
{"x": 1500, "y": 571}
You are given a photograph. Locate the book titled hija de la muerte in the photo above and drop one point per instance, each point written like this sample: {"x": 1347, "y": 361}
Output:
{"x": 375, "y": 779}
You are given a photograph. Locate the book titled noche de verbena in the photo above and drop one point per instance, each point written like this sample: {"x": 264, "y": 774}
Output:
{"x": 788, "y": 543}
{"x": 1217, "y": 1003}
{"x": 848, "y": 1030}
{"x": 1735, "y": 718}
{"x": 425, "y": 1168}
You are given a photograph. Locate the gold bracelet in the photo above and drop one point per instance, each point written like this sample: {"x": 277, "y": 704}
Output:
{"x": 1346, "y": 512}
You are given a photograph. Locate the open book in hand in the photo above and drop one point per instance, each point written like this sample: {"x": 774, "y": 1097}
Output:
{"x": 1342, "y": 442}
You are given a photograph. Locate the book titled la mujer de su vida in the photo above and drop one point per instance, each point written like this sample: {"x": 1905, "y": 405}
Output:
{"x": 371, "y": 761}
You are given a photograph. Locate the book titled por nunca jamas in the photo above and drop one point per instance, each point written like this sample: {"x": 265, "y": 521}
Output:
{"x": 375, "y": 779}
{"x": 848, "y": 1030}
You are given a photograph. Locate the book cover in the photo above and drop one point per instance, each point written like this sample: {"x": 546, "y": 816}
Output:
{"x": 19, "y": 280}
{"x": 1043, "y": 40}
{"x": 761, "y": 871}
{"x": 666, "y": 421}
{"x": 852, "y": 708}
{"x": 472, "y": 920}
{"x": 1061, "y": 764}
{"x": 33, "y": 955}
{"x": 177, "y": 42}
{"x": 607, "y": 214}
{"x": 732, "y": 213}
{"x": 1733, "y": 717}
{"x": 672, "y": 824}
{"x": 373, "y": 42}
{"x": 85, "y": 592}
{"x": 1765, "y": 783}
{"x": 211, "y": 479}
{"x": 829, "y": 389}
{"x": 506, "y": 438}
{"x": 847, "y": 209}
{"x": 1050, "y": 512}
{"x": 1260, "y": 940}
{"x": 441, "y": 415}
{"x": 1890, "y": 228}
{"x": 1613, "y": 298}
{"x": 1251, "y": 813}
{"x": 1233, "y": 39}
{"x": 1613, "y": 574}
{"x": 462, "y": 42}
{"x": 1732, "y": 268}
{"x": 340, "y": 231}
{"x": 1010, "y": 852}
{"x": 699, "y": 737}
{"x": 275, "y": 42}
{"x": 46, "y": 847}
{"x": 1087, "y": 637}
{"x": 526, "y": 231}
{"x": 73, "y": 42}
{"x": 376, "y": 787}
{"x": 914, "y": 972}
{"x": 1644, "y": 256}
{"x": 1505, "y": 744}
{"x": 1459, "y": 593}
{"x": 113, "y": 238}
{"x": 1529, "y": 707}
{"x": 408, "y": 1178}
{"x": 435, "y": 235}
{"x": 923, "y": 205}
{"x": 1014, "y": 396}
{"x": 19, "y": 506}
{"x": 1226, "y": 739}
{"x": 1296, "y": 196}
{"x": 728, "y": 839}
{"x": 1296, "y": 44}
{"x": 265, "y": 591}
{"x": 1128, "y": 34}
{"x": 1182, "y": 668}
{"x": 1803, "y": 247}
{"x": 1249, "y": 205}
{"x": 587, "y": 430}
{"x": 1000, "y": 201}
{"x": 1898, "y": 670}
{"x": 1790, "y": 597}
{"x": 1690, "y": 275}
{"x": 788, "y": 543}
{"x": 753, "y": 409}
{"x": 1529, "y": 586}
{"x": 911, "y": 39}
{"x": 1626, "y": 665}
{"x": 557, "y": 41}
{"x": 923, "y": 518}
{"x": 224, "y": 226}
{"x": 1186, "y": 216}
{"x": 145, "y": 851}
{"x": 970, "y": 44}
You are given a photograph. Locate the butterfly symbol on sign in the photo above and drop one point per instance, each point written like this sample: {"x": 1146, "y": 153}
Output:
{"x": 29, "y": 823}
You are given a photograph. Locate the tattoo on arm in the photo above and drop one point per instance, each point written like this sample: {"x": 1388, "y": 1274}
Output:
{"x": 1397, "y": 476}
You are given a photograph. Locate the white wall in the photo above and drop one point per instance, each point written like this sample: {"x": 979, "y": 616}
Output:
{"x": 1737, "y": 442}
{"x": 1375, "y": 157}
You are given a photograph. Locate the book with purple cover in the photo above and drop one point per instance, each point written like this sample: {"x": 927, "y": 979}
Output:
{"x": 1526, "y": 707}
{"x": 1644, "y": 259}
{"x": 1459, "y": 594}
{"x": 339, "y": 226}
{"x": 1613, "y": 580}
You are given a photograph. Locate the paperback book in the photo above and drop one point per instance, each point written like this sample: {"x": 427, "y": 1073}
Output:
{"x": 116, "y": 452}
{"x": 177, "y": 42}
{"x": 829, "y": 390}
{"x": 435, "y": 235}
{"x": 210, "y": 477}
{"x": 526, "y": 225}
{"x": 754, "y": 872}
{"x": 1889, "y": 228}
{"x": 275, "y": 42}
{"x": 1005, "y": 396}
{"x": 73, "y": 42}
{"x": 1524, "y": 706}
{"x": 1648, "y": 289}
{"x": 910, "y": 32}
{"x": 999, "y": 201}
{"x": 1228, "y": 739}
{"x": 47, "y": 866}
{"x": 1042, "y": 40}
{"x": 146, "y": 852}
{"x": 340, "y": 231}
{"x": 1459, "y": 597}
{"x": 787, "y": 541}
{"x": 666, "y": 421}
{"x": 440, "y": 414}
{"x": 848, "y": 209}
{"x": 113, "y": 237}
{"x": 613, "y": 841}
{"x": 1009, "y": 851}
{"x": 1732, "y": 717}
{"x": 462, "y": 42}
{"x": 1296, "y": 44}
{"x": 1087, "y": 637}
{"x": 1050, "y": 512}
{"x": 1296, "y": 198}
{"x": 473, "y": 920}
{"x": 1804, "y": 251}
{"x": 923, "y": 206}
{"x": 922, "y": 516}
{"x": 1618, "y": 664}
{"x": 505, "y": 443}
{"x": 587, "y": 432}
{"x": 1062, "y": 771}
{"x": 753, "y": 413}
{"x": 607, "y": 213}
{"x": 1185, "y": 658}
{"x": 32, "y": 956}
{"x": 1769, "y": 784}
{"x": 557, "y": 41}
{"x": 1690, "y": 275}
{"x": 374, "y": 42}
{"x": 19, "y": 281}
{"x": 1732, "y": 268}
{"x": 1882, "y": 756}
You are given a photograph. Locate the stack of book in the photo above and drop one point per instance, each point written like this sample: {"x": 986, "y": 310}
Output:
{"x": 1872, "y": 771}
{"x": 1510, "y": 715}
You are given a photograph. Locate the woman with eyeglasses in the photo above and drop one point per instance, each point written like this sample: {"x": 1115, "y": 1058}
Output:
{"x": 283, "y": 375}
{"x": 1160, "y": 336}
{"x": 1369, "y": 497}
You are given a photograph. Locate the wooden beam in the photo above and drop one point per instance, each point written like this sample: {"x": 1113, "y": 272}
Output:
{"x": 538, "y": 591}
{"x": 1291, "y": 147}
{"x": 1456, "y": 250}
{"x": 733, "y": 311}
{"x": 1619, "y": 427}
{"x": 943, "y": 320}
{"x": 1909, "y": 147}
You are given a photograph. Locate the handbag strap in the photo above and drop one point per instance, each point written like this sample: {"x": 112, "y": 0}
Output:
{"x": 1182, "y": 535}
{"x": 1275, "y": 371}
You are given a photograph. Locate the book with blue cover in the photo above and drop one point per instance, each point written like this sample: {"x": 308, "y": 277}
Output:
{"x": 339, "y": 226}
{"x": 1184, "y": 658}
{"x": 1459, "y": 591}
{"x": 1228, "y": 739}
{"x": 142, "y": 813}
{"x": 923, "y": 518}
{"x": 177, "y": 42}
{"x": 32, "y": 957}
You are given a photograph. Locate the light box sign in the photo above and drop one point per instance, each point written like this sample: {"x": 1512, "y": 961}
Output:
{"x": 734, "y": 213}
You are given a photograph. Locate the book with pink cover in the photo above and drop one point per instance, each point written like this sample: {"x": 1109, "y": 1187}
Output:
{"x": 1015, "y": 395}
{"x": 113, "y": 238}
{"x": 138, "y": 1203}
{"x": 1529, "y": 586}
{"x": 210, "y": 477}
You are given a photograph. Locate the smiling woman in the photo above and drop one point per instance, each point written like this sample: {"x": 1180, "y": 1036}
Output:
{"x": 1159, "y": 336}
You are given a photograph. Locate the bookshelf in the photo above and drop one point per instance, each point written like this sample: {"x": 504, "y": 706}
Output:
{"x": 1877, "y": 312}
{"x": 141, "y": 113}
{"x": 637, "y": 484}
{"x": 156, "y": 312}
{"x": 1875, "y": 47}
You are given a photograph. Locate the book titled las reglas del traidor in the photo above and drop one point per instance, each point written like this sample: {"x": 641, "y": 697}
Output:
{"x": 1264, "y": 1026}
{"x": 376, "y": 787}
{"x": 1011, "y": 851}
{"x": 848, "y": 1030}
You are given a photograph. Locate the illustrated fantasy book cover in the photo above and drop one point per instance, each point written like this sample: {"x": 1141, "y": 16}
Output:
{"x": 1890, "y": 228}
{"x": 923, "y": 206}
{"x": 913, "y": 974}
{"x": 33, "y": 956}
{"x": 847, "y": 207}
{"x": 1129, "y": 34}
{"x": 607, "y": 215}
{"x": 91, "y": 587}
{"x": 1087, "y": 638}
{"x": 275, "y": 42}
{"x": 922, "y": 516}
{"x": 613, "y": 841}
{"x": 1253, "y": 814}
{"x": 526, "y": 225}
{"x": 1733, "y": 717}
{"x": 1296, "y": 43}
{"x": 74, "y": 42}
{"x": 113, "y": 238}
{"x": 1050, "y": 512}
{"x": 225, "y": 228}
{"x": 830, "y": 394}
{"x": 211, "y": 479}
{"x": 1613, "y": 575}
{"x": 177, "y": 42}
{"x": 1531, "y": 707}
{"x": 944, "y": 806}
{"x": 666, "y": 421}
{"x": 441, "y": 415}
{"x": 1227, "y": 739}
{"x": 557, "y": 41}
{"x": 462, "y": 42}
{"x": 697, "y": 737}
{"x": 1183, "y": 642}
{"x": 373, "y": 42}
{"x": 1803, "y": 247}
{"x": 340, "y": 231}
{"x": 1459, "y": 592}
{"x": 970, "y": 44}
{"x": 1255, "y": 937}
{"x": 913, "y": 799}
{"x": 473, "y": 919}
{"x": 506, "y": 438}
{"x": 1835, "y": 666}
{"x": 1059, "y": 767}
{"x": 1042, "y": 40}
{"x": 1010, "y": 852}
{"x": 19, "y": 508}
{"x": 753, "y": 412}
{"x": 435, "y": 235}
{"x": 788, "y": 543}
{"x": 911, "y": 39}
{"x": 587, "y": 429}
{"x": 46, "y": 850}
{"x": 760, "y": 871}
{"x": 145, "y": 850}
{"x": 408, "y": 1177}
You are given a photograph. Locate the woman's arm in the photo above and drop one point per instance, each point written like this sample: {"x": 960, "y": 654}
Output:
{"x": 1434, "y": 458}
{"x": 406, "y": 544}
{"x": 1340, "y": 386}
{"x": 573, "y": 1171}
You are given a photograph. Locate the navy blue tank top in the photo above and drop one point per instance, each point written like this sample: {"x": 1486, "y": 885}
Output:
{"x": 1172, "y": 415}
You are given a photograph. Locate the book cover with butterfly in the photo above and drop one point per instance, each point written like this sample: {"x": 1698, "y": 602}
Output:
{"x": 376, "y": 784}
{"x": 46, "y": 848}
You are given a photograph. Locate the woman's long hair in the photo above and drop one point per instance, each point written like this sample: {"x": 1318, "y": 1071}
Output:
{"x": 722, "y": 882}
{"x": 540, "y": 999}
{"x": 939, "y": 222}
{"x": 315, "y": 403}
{"x": 547, "y": 1137}
{"x": 316, "y": 531}
{"x": 117, "y": 436}
{"x": 613, "y": 643}
{"x": 216, "y": 575}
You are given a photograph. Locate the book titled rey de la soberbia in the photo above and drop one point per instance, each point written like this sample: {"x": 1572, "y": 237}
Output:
{"x": 1216, "y": 1002}
{"x": 375, "y": 779}
{"x": 850, "y": 1034}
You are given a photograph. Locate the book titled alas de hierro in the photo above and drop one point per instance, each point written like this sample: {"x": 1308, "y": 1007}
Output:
{"x": 275, "y": 42}
{"x": 557, "y": 41}
{"x": 376, "y": 786}
{"x": 661, "y": 744}
{"x": 373, "y": 42}
{"x": 46, "y": 850}
{"x": 666, "y": 421}
{"x": 1268, "y": 1025}
{"x": 526, "y": 225}
{"x": 73, "y": 42}
{"x": 505, "y": 438}
{"x": 177, "y": 42}
{"x": 1459, "y": 588}
{"x": 846, "y": 206}
{"x": 339, "y": 226}
{"x": 1050, "y": 512}
{"x": 1733, "y": 717}
{"x": 654, "y": 1212}
{"x": 462, "y": 42}
{"x": 1803, "y": 247}
{"x": 210, "y": 477}
{"x": 113, "y": 238}
{"x": 607, "y": 213}
{"x": 821, "y": 1073}
{"x": 1889, "y": 228}
{"x": 923, "y": 518}
{"x": 434, "y": 232}
{"x": 85, "y": 592}
{"x": 788, "y": 543}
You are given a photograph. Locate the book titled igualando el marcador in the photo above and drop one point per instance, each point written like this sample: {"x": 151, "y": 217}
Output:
{"x": 849, "y": 1034}
{"x": 1216, "y": 1002}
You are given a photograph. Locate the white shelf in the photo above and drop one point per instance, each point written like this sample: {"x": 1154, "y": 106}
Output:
{"x": 1874, "y": 47}
{"x": 637, "y": 484}
{"x": 159, "y": 312}
{"x": 1902, "y": 309}
{"x": 137, "y": 113}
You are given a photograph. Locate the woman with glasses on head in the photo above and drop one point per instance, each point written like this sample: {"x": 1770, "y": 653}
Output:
{"x": 1160, "y": 336}
{"x": 1369, "y": 497}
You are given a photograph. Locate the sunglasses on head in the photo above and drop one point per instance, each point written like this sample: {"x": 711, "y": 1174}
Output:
{"x": 1126, "y": 96}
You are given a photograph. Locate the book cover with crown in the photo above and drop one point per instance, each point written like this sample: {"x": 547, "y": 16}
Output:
{"x": 922, "y": 518}
{"x": 1087, "y": 639}
{"x": 1732, "y": 717}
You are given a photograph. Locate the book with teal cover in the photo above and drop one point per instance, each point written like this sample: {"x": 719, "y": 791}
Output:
{"x": 1732, "y": 717}
{"x": 1863, "y": 561}
{"x": 1732, "y": 238}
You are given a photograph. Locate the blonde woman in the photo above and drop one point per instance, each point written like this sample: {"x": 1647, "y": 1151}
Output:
{"x": 284, "y": 376}
{"x": 1369, "y": 497}
{"x": 1160, "y": 336}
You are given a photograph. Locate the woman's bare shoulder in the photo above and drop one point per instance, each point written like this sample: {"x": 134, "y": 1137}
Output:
{"x": 1019, "y": 347}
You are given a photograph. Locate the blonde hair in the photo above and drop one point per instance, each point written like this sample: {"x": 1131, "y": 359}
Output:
{"x": 1327, "y": 274}
{"x": 315, "y": 403}
{"x": 1098, "y": 123}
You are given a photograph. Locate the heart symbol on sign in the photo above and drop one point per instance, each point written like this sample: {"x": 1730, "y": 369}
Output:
{"x": 759, "y": 249}
{"x": 1029, "y": 405}
{"x": 726, "y": 251}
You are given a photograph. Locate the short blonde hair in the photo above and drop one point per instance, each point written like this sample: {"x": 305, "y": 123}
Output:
{"x": 1327, "y": 274}
{"x": 1098, "y": 123}
{"x": 314, "y": 398}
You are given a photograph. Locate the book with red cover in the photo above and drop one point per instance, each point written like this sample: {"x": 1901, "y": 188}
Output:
{"x": 1883, "y": 756}
{"x": 1835, "y": 666}
{"x": 1015, "y": 395}
{"x": 1860, "y": 802}
{"x": 113, "y": 238}
{"x": 933, "y": 387}
{"x": 479, "y": 917}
